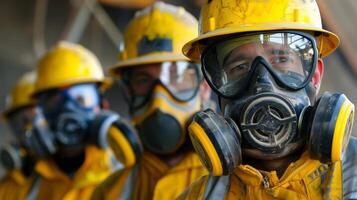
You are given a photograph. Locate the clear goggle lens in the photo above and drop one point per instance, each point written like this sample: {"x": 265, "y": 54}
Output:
{"x": 290, "y": 57}
{"x": 85, "y": 96}
{"x": 181, "y": 79}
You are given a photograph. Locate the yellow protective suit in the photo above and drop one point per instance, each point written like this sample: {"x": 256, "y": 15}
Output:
{"x": 15, "y": 185}
{"x": 151, "y": 179}
{"x": 54, "y": 184}
{"x": 303, "y": 179}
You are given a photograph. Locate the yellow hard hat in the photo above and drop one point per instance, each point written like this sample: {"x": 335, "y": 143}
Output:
{"x": 221, "y": 18}
{"x": 21, "y": 94}
{"x": 156, "y": 34}
{"x": 67, "y": 64}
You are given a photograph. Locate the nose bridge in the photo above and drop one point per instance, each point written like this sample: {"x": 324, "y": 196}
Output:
{"x": 262, "y": 81}
{"x": 162, "y": 100}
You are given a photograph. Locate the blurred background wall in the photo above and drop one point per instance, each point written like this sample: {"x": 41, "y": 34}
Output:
{"x": 28, "y": 28}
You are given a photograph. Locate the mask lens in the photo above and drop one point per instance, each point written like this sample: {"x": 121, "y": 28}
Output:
{"x": 291, "y": 58}
{"x": 139, "y": 82}
{"x": 180, "y": 78}
{"x": 50, "y": 103}
{"x": 86, "y": 95}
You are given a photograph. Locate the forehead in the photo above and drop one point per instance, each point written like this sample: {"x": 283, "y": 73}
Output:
{"x": 256, "y": 47}
{"x": 283, "y": 41}
{"x": 152, "y": 69}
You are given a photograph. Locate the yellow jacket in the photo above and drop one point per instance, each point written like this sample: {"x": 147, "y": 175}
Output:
{"x": 151, "y": 179}
{"x": 15, "y": 185}
{"x": 303, "y": 179}
{"x": 54, "y": 184}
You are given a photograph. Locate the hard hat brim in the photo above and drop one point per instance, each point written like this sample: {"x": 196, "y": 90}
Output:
{"x": 144, "y": 60}
{"x": 195, "y": 47}
{"x": 105, "y": 84}
{"x": 5, "y": 115}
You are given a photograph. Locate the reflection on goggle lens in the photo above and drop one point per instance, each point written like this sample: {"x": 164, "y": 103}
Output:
{"x": 290, "y": 57}
{"x": 85, "y": 96}
{"x": 181, "y": 79}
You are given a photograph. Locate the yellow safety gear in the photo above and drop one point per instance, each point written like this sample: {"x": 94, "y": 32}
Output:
{"x": 156, "y": 34}
{"x": 303, "y": 180}
{"x": 224, "y": 18}
{"x": 343, "y": 130}
{"x": 180, "y": 111}
{"x": 153, "y": 179}
{"x": 121, "y": 147}
{"x": 57, "y": 185}
{"x": 15, "y": 185}
{"x": 21, "y": 94}
{"x": 164, "y": 101}
{"x": 208, "y": 130}
{"x": 67, "y": 64}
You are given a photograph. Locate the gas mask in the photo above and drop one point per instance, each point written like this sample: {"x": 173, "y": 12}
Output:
{"x": 14, "y": 157}
{"x": 264, "y": 81}
{"x": 74, "y": 120}
{"x": 163, "y": 103}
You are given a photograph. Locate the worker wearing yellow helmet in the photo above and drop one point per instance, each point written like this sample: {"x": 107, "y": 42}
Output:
{"x": 20, "y": 114}
{"x": 72, "y": 144}
{"x": 164, "y": 90}
{"x": 276, "y": 138}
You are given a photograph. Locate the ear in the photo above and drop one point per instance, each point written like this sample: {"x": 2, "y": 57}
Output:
{"x": 317, "y": 77}
{"x": 205, "y": 91}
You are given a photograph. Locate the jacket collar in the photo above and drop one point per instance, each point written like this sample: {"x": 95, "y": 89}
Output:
{"x": 95, "y": 168}
{"x": 189, "y": 161}
{"x": 302, "y": 168}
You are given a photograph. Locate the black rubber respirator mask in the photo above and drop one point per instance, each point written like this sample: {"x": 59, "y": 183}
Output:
{"x": 74, "y": 119}
{"x": 16, "y": 155}
{"x": 166, "y": 105}
{"x": 265, "y": 83}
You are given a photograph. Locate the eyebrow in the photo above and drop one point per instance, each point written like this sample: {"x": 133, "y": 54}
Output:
{"x": 229, "y": 58}
{"x": 283, "y": 51}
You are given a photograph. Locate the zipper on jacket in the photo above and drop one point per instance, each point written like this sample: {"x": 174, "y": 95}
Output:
{"x": 266, "y": 182}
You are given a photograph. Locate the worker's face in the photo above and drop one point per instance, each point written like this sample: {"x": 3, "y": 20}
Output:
{"x": 264, "y": 81}
{"x": 22, "y": 120}
{"x": 290, "y": 59}
{"x": 163, "y": 98}
{"x": 281, "y": 57}
{"x": 180, "y": 79}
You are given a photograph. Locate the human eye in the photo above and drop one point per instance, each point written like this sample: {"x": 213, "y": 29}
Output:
{"x": 141, "y": 80}
{"x": 280, "y": 59}
{"x": 238, "y": 68}
{"x": 280, "y": 56}
{"x": 141, "y": 84}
